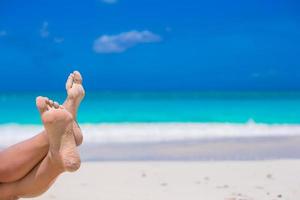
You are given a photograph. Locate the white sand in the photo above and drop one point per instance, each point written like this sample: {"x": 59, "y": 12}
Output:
{"x": 237, "y": 180}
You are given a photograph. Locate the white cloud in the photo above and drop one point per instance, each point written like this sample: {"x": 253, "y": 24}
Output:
{"x": 123, "y": 41}
{"x": 44, "y": 30}
{"x": 110, "y": 1}
{"x": 3, "y": 33}
{"x": 58, "y": 40}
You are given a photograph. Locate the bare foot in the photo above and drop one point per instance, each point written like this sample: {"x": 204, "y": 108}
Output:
{"x": 75, "y": 93}
{"x": 58, "y": 123}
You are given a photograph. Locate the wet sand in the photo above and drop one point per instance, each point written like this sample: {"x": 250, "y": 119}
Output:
{"x": 254, "y": 148}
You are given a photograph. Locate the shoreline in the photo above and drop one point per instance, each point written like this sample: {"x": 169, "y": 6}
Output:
{"x": 107, "y": 133}
{"x": 189, "y": 142}
{"x": 216, "y": 149}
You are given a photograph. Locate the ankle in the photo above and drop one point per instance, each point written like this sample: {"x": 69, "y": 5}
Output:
{"x": 44, "y": 140}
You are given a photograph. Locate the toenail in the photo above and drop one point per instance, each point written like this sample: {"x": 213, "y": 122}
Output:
{"x": 56, "y": 104}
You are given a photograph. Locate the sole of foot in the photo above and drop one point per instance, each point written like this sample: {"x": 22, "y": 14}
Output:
{"x": 59, "y": 124}
{"x": 75, "y": 93}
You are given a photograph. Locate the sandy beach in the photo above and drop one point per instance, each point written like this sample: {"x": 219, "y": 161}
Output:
{"x": 178, "y": 162}
{"x": 209, "y": 180}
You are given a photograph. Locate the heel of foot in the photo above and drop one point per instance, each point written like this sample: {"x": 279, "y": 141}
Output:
{"x": 72, "y": 165}
{"x": 65, "y": 162}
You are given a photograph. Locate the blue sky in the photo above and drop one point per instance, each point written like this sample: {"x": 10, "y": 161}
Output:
{"x": 150, "y": 44}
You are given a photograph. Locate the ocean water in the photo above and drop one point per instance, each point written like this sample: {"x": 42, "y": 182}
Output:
{"x": 156, "y": 117}
{"x": 269, "y": 108}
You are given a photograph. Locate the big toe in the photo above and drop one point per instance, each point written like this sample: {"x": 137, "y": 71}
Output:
{"x": 41, "y": 104}
{"x": 77, "y": 77}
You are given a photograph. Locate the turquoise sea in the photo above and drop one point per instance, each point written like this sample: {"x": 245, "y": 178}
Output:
{"x": 115, "y": 107}
{"x": 183, "y": 126}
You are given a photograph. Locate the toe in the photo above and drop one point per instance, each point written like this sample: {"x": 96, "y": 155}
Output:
{"x": 41, "y": 104}
{"x": 55, "y": 104}
{"x": 77, "y": 77}
{"x": 51, "y": 102}
{"x": 69, "y": 82}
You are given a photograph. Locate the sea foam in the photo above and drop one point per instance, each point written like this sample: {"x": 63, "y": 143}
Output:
{"x": 154, "y": 132}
